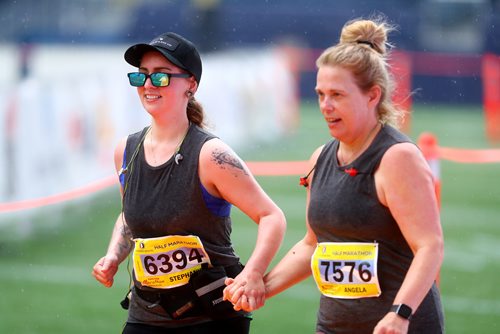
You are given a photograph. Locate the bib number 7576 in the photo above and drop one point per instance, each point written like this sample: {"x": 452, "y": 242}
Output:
{"x": 346, "y": 269}
{"x": 343, "y": 271}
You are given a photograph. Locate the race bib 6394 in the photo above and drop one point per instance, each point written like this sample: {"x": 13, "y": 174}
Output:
{"x": 168, "y": 262}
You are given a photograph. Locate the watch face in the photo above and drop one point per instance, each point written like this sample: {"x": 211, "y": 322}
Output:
{"x": 405, "y": 311}
{"x": 402, "y": 310}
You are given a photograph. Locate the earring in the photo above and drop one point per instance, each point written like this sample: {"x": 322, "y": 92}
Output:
{"x": 189, "y": 93}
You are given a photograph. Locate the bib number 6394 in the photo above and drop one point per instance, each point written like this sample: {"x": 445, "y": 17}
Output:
{"x": 166, "y": 262}
{"x": 169, "y": 261}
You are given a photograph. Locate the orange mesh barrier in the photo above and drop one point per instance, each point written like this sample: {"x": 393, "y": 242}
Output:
{"x": 469, "y": 156}
{"x": 54, "y": 199}
{"x": 258, "y": 168}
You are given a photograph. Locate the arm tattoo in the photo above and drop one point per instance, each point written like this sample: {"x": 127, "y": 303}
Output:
{"x": 224, "y": 159}
{"x": 125, "y": 244}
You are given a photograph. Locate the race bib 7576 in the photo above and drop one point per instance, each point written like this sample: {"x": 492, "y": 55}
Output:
{"x": 346, "y": 269}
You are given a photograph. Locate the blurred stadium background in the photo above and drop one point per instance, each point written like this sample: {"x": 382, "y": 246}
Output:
{"x": 65, "y": 102}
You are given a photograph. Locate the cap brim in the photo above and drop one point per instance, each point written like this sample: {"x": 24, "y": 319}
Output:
{"x": 134, "y": 54}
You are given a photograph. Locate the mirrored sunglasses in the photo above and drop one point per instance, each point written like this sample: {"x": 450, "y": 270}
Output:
{"x": 158, "y": 79}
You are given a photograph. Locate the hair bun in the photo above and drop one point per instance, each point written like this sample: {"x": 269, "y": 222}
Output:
{"x": 372, "y": 33}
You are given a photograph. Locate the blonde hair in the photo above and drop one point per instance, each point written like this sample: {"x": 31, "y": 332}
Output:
{"x": 362, "y": 49}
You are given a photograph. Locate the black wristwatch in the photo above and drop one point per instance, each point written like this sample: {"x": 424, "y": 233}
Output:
{"x": 402, "y": 310}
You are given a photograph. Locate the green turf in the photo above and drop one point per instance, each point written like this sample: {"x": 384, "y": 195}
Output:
{"x": 46, "y": 256}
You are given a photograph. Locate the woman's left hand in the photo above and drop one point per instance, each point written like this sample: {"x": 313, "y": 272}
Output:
{"x": 392, "y": 324}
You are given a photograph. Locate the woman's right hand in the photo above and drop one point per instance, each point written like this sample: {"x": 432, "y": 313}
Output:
{"x": 246, "y": 292}
{"x": 105, "y": 269}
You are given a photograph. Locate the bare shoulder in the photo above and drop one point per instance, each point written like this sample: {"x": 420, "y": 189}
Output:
{"x": 218, "y": 157}
{"x": 223, "y": 173}
{"x": 313, "y": 159}
{"x": 118, "y": 154}
{"x": 315, "y": 155}
{"x": 311, "y": 166}
{"x": 404, "y": 161}
{"x": 402, "y": 154}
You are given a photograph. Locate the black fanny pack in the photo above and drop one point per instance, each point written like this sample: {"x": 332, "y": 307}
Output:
{"x": 201, "y": 296}
{"x": 208, "y": 285}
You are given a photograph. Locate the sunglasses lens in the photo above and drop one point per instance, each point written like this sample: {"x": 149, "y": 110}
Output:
{"x": 137, "y": 79}
{"x": 160, "y": 79}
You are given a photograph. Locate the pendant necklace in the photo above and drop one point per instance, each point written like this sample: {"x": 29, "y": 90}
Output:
{"x": 177, "y": 156}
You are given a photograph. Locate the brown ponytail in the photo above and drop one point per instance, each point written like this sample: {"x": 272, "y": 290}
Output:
{"x": 195, "y": 112}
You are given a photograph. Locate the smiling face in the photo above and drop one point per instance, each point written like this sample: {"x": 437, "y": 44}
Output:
{"x": 158, "y": 100}
{"x": 347, "y": 110}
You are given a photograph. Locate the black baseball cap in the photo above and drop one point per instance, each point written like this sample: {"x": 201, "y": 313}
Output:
{"x": 178, "y": 50}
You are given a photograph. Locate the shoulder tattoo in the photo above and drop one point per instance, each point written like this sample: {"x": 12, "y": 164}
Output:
{"x": 225, "y": 160}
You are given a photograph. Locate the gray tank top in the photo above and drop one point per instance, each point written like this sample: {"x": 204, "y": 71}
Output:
{"x": 345, "y": 208}
{"x": 168, "y": 200}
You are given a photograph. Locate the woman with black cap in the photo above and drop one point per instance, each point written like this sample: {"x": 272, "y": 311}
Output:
{"x": 178, "y": 182}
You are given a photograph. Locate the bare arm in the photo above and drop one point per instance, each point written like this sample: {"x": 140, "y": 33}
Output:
{"x": 119, "y": 247}
{"x": 226, "y": 176}
{"x": 405, "y": 185}
{"x": 294, "y": 267}
{"x": 296, "y": 264}
{"x": 120, "y": 244}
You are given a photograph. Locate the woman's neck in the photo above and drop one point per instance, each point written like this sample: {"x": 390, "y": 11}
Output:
{"x": 347, "y": 153}
{"x": 169, "y": 129}
{"x": 164, "y": 140}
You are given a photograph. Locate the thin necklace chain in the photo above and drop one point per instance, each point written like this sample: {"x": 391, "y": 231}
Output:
{"x": 177, "y": 148}
{"x": 151, "y": 144}
{"x": 343, "y": 161}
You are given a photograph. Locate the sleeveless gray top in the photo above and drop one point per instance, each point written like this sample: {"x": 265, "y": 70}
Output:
{"x": 345, "y": 208}
{"x": 168, "y": 200}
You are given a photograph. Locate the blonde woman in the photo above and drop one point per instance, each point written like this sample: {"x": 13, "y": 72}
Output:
{"x": 374, "y": 243}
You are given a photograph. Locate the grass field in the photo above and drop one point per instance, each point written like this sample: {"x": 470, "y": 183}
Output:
{"x": 47, "y": 255}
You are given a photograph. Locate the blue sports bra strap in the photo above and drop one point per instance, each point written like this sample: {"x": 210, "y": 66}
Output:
{"x": 121, "y": 173}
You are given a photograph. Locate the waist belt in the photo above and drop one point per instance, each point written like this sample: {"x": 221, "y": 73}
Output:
{"x": 154, "y": 296}
{"x": 187, "y": 301}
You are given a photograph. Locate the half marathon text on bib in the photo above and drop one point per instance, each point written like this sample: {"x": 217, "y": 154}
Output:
{"x": 168, "y": 262}
{"x": 346, "y": 269}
